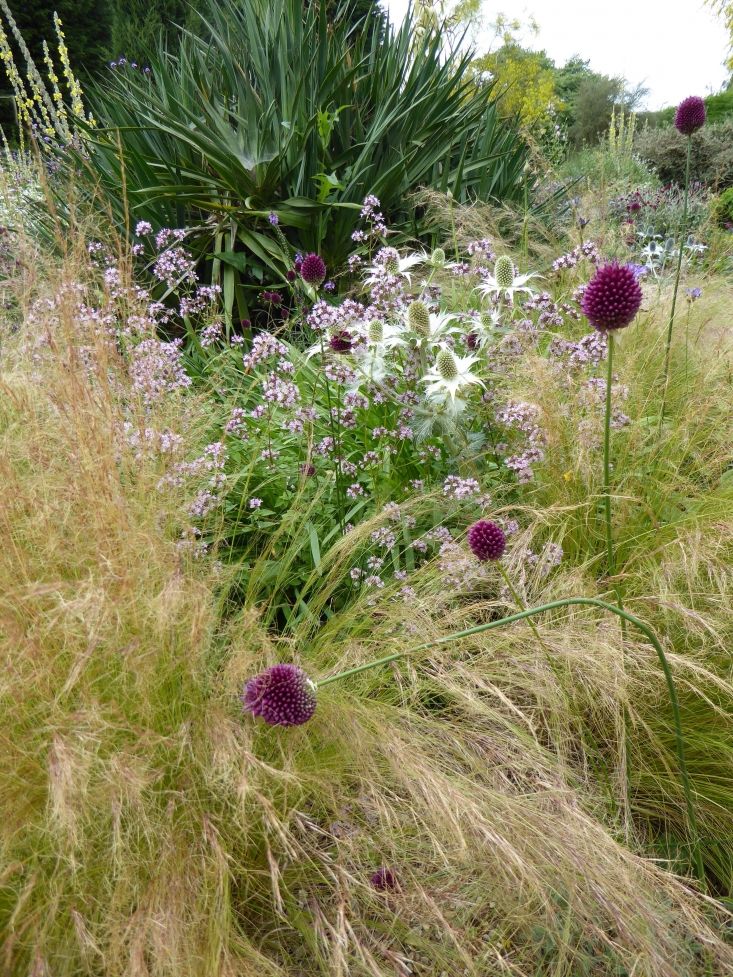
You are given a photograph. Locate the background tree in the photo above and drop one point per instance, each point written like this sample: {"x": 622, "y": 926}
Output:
{"x": 725, "y": 8}
{"x": 137, "y": 25}
{"x": 592, "y": 106}
{"x": 524, "y": 79}
{"x": 87, "y": 25}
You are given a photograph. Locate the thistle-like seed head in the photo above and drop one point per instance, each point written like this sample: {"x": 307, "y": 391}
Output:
{"x": 418, "y": 317}
{"x": 375, "y": 331}
{"x": 504, "y": 271}
{"x": 445, "y": 363}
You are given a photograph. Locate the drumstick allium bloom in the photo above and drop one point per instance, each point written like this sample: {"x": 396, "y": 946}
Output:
{"x": 282, "y": 695}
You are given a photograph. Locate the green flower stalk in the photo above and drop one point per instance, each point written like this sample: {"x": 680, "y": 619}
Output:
{"x": 610, "y": 302}
{"x": 689, "y": 117}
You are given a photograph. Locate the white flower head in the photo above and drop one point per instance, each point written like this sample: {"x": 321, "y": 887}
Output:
{"x": 428, "y": 328}
{"x": 449, "y": 374}
{"x": 381, "y": 335}
{"x": 504, "y": 281}
{"x": 486, "y": 326}
{"x": 392, "y": 263}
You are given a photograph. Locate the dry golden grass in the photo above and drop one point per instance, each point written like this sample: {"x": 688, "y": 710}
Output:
{"x": 148, "y": 830}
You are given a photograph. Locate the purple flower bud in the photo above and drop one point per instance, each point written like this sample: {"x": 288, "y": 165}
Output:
{"x": 313, "y": 269}
{"x": 472, "y": 340}
{"x": 282, "y": 695}
{"x": 274, "y": 219}
{"x": 487, "y": 540}
{"x": 341, "y": 341}
{"x": 290, "y": 275}
{"x": 612, "y": 298}
{"x": 383, "y": 880}
{"x": 307, "y": 469}
{"x": 690, "y": 115}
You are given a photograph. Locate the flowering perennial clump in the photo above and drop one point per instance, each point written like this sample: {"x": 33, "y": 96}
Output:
{"x": 282, "y": 695}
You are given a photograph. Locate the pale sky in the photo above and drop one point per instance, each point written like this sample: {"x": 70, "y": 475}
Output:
{"x": 676, "y": 47}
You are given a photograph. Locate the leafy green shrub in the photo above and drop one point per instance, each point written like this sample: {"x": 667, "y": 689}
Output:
{"x": 712, "y": 154}
{"x": 720, "y": 106}
{"x": 723, "y": 208}
{"x": 271, "y": 107}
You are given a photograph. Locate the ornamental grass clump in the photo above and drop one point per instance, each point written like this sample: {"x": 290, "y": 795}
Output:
{"x": 443, "y": 813}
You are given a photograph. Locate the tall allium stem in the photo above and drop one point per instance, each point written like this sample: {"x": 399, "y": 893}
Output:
{"x": 553, "y": 605}
{"x": 610, "y": 551}
{"x": 610, "y": 555}
{"x": 517, "y": 599}
{"x": 336, "y": 441}
{"x": 683, "y": 237}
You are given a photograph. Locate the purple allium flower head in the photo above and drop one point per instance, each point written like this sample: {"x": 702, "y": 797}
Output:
{"x": 313, "y": 269}
{"x": 612, "y": 297}
{"x": 690, "y": 115}
{"x": 282, "y": 695}
{"x": 383, "y": 880}
{"x": 341, "y": 341}
{"x": 487, "y": 540}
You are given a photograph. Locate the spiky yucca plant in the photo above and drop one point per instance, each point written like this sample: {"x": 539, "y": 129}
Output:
{"x": 272, "y": 107}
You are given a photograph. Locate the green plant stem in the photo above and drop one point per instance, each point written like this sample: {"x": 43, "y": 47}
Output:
{"x": 553, "y": 605}
{"x": 517, "y": 599}
{"x": 683, "y": 233}
{"x": 610, "y": 553}
{"x": 610, "y": 557}
{"x": 337, "y": 456}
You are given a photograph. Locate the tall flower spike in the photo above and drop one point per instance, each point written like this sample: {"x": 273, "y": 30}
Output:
{"x": 282, "y": 695}
{"x": 612, "y": 297}
{"x": 690, "y": 115}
